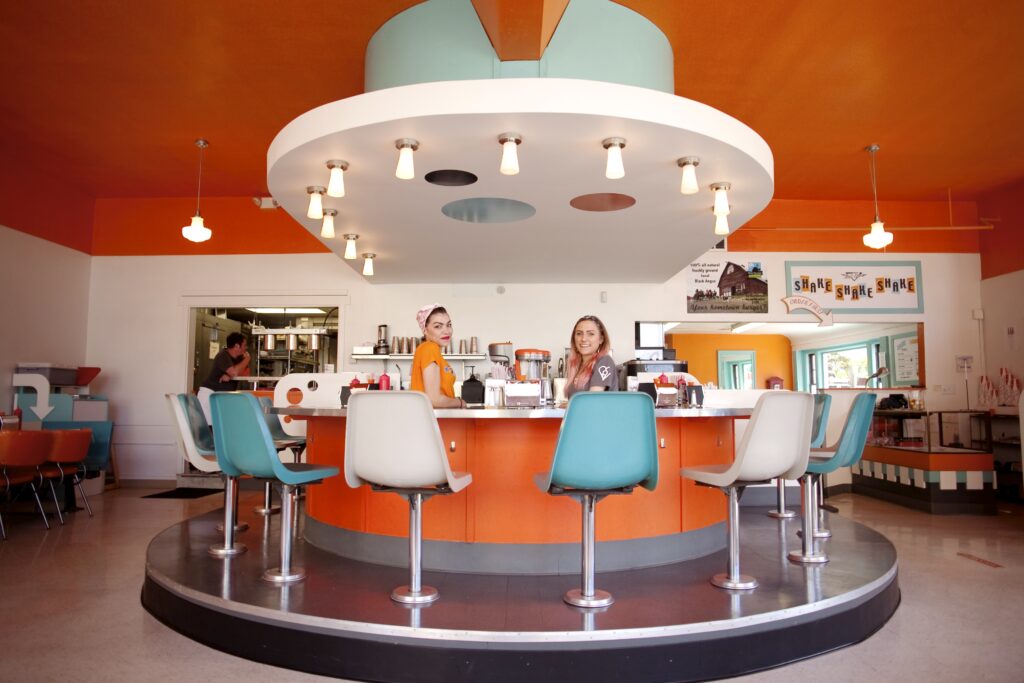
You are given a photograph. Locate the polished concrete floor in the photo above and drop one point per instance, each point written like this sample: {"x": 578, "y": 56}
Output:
{"x": 71, "y": 600}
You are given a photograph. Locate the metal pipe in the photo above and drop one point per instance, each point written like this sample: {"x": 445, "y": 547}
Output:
{"x": 415, "y": 521}
{"x": 734, "y": 535}
{"x": 588, "y": 545}
{"x": 287, "y": 507}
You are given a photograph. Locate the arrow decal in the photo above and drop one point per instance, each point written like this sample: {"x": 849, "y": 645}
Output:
{"x": 795, "y": 302}
{"x": 42, "y": 387}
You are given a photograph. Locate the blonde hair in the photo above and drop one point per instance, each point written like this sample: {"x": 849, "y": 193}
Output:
{"x": 581, "y": 375}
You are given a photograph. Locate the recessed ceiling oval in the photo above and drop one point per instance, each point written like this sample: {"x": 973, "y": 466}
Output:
{"x": 450, "y": 177}
{"x": 488, "y": 210}
{"x": 602, "y": 201}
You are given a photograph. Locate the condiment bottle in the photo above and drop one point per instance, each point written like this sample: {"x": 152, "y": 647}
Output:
{"x": 384, "y": 383}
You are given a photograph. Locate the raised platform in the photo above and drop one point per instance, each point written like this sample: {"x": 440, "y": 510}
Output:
{"x": 668, "y": 623}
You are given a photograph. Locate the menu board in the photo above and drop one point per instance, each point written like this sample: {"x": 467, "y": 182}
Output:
{"x": 905, "y": 360}
{"x": 858, "y": 286}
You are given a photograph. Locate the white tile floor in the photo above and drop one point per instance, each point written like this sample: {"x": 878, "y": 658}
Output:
{"x": 71, "y": 607}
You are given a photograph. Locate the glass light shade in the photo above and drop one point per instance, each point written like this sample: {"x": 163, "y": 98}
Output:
{"x": 721, "y": 225}
{"x": 367, "y": 265}
{"x": 196, "y": 231}
{"x": 316, "y": 206}
{"x": 327, "y": 231}
{"x": 405, "y": 169}
{"x": 878, "y": 238}
{"x": 689, "y": 183}
{"x": 509, "y": 158}
{"x": 721, "y": 202}
{"x": 350, "y": 248}
{"x": 614, "y": 169}
{"x": 336, "y": 185}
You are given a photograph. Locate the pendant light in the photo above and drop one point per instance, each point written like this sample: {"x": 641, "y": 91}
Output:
{"x": 336, "y": 183}
{"x": 316, "y": 202}
{"x": 350, "y": 246}
{"x": 196, "y": 231}
{"x": 721, "y": 190}
{"x": 405, "y": 169}
{"x": 689, "y": 182}
{"x": 509, "y": 154}
{"x": 614, "y": 169}
{"x": 878, "y": 238}
{"x": 327, "y": 231}
{"x": 368, "y": 263}
{"x": 722, "y": 225}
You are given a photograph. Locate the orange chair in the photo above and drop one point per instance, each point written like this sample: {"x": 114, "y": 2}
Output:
{"x": 67, "y": 459}
{"x": 21, "y": 454}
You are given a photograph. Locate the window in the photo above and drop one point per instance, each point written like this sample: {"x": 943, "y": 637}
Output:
{"x": 845, "y": 368}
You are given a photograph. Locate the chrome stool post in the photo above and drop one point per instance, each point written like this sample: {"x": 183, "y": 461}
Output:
{"x": 268, "y": 507}
{"x": 229, "y": 547}
{"x": 587, "y": 595}
{"x": 734, "y": 580}
{"x": 808, "y": 554}
{"x": 415, "y": 593}
{"x": 286, "y": 573}
{"x": 781, "y": 512}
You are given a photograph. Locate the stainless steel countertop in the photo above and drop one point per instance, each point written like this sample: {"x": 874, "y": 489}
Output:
{"x": 522, "y": 413}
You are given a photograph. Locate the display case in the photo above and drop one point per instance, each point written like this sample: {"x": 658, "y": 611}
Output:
{"x": 937, "y": 461}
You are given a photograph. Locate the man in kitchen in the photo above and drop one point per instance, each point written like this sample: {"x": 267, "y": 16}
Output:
{"x": 230, "y": 362}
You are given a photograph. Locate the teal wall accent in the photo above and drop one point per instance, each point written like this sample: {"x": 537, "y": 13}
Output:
{"x": 443, "y": 40}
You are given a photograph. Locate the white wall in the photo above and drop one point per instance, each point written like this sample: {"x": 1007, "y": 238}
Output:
{"x": 44, "y": 296}
{"x": 138, "y": 323}
{"x": 1001, "y": 299}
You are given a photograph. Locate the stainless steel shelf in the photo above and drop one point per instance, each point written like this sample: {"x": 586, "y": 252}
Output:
{"x": 408, "y": 356}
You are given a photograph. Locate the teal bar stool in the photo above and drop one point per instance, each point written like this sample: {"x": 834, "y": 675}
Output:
{"x": 393, "y": 443}
{"x": 244, "y": 446}
{"x": 845, "y": 453}
{"x": 822, "y": 403}
{"x": 607, "y": 445}
{"x": 282, "y": 442}
{"x": 776, "y": 443}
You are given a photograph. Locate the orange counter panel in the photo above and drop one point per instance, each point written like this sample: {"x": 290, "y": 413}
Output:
{"x": 929, "y": 461}
{"x": 503, "y": 505}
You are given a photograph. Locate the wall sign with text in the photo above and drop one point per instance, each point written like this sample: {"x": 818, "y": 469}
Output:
{"x": 858, "y": 286}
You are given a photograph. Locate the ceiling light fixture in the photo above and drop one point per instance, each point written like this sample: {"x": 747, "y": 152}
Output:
{"x": 614, "y": 169}
{"x": 368, "y": 264}
{"x": 327, "y": 231}
{"x": 350, "y": 246}
{"x": 878, "y": 238}
{"x": 509, "y": 154}
{"x": 689, "y": 183}
{"x": 722, "y": 225}
{"x": 743, "y": 327}
{"x": 316, "y": 202}
{"x": 405, "y": 169}
{"x": 721, "y": 190}
{"x": 336, "y": 184}
{"x": 196, "y": 231}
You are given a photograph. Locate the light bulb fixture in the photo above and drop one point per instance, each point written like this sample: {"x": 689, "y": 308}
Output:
{"x": 316, "y": 202}
{"x": 368, "y": 263}
{"x": 721, "y": 191}
{"x": 689, "y": 183}
{"x": 336, "y": 184}
{"x": 613, "y": 169}
{"x": 327, "y": 231}
{"x": 350, "y": 246}
{"x": 196, "y": 231}
{"x": 721, "y": 225}
{"x": 509, "y": 154}
{"x": 405, "y": 169}
{"x": 878, "y": 238}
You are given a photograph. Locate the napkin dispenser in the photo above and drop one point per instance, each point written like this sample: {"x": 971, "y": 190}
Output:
{"x": 522, "y": 395}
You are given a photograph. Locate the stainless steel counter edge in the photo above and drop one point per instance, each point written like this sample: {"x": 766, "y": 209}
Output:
{"x": 521, "y": 413}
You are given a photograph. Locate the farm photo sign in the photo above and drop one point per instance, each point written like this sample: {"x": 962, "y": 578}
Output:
{"x": 858, "y": 286}
{"x": 726, "y": 287}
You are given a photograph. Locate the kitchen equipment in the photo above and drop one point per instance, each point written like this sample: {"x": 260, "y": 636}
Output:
{"x": 523, "y": 395}
{"x": 501, "y": 352}
{"x": 381, "y": 347}
{"x": 474, "y": 345}
{"x": 561, "y": 367}
{"x": 494, "y": 393}
{"x": 473, "y": 391}
{"x": 558, "y": 388}
{"x": 396, "y": 345}
{"x": 545, "y": 390}
{"x": 463, "y": 349}
{"x": 530, "y": 363}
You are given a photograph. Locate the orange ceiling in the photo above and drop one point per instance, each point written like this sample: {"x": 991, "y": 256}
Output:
{"x": 109, "y": 95}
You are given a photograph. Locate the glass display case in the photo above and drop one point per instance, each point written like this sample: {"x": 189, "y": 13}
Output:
{"x": 940, "y": 431}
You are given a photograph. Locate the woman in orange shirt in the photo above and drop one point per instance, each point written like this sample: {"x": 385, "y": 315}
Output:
{"x": 431, "y": 373}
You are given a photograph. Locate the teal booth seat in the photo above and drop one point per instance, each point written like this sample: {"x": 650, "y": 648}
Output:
{"x": 99, "y": 449}
{"x": 607, "y": 444}
{"x": 244, "y": 445}
{"x": 850, "y": 447}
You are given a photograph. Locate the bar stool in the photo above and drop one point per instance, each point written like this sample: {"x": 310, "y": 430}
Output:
{"x": 282, "y": 442}
{"x": 244, "y": 446}
{"x": 21, "y": 454}
{"x": 776, "y": 443}
{"x": 409, "y": 460}
{"x": 822, "y": 403}
{"x": 846, "y": 452}
{"x": 196, "y": 440}
{"x": 607, "y": 445}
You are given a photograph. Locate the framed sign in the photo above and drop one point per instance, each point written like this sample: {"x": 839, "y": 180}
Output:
{"x": 905, "y": 360}
{"x": 858, "y": 286}
{"x": 714, "y": 286}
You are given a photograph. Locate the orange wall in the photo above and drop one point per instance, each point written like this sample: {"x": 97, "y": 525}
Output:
{"x": 1002, "y": 249}
{"x": 144, "y": 227}
{"x": 774, "y": 355}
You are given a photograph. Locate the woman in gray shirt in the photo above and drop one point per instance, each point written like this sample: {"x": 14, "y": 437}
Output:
{"x": 591, "y": 367}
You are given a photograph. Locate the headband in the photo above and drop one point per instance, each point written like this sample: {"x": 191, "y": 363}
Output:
{"x": 423, "y": 314}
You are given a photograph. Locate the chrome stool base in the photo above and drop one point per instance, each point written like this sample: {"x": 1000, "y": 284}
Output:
{"x": 266, "y": 512}
{"x": 784, "y": 514}
{"x": 405, "y": 595}
{"x": 818, "y": 533}
{"x": 576, "y": 598}
{"x": 276, "y": 576}
{"x": 225, "y": 551}
{"x": 240, "y": 527}
{"x": 744, "y": 582}
{"x": 813, "y": 558}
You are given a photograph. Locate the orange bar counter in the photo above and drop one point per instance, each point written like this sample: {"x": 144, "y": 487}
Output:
{"x": 502, "y": 522}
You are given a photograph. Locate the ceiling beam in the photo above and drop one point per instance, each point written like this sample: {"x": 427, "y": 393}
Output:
{"x": 520, "y": 29}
